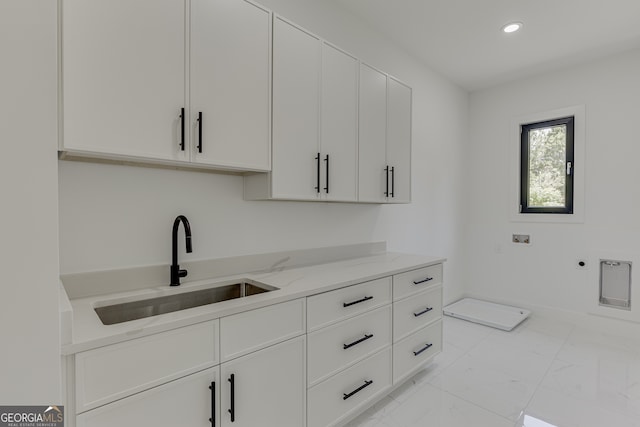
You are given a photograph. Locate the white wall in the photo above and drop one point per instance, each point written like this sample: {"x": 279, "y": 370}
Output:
{"x": 544, "y": 274}
{"x": 29, "y": 330}
{"x": 118, "y": 216}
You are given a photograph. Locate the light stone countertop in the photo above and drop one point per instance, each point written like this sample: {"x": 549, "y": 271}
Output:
{"x": 89, "y": 332}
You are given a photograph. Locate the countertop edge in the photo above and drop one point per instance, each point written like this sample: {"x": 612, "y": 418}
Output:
{"x": 90, "y": 333}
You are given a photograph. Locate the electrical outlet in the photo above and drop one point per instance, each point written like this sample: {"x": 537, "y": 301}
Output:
{"x": 582, "y": 264}
{"x": 521, "y": 238}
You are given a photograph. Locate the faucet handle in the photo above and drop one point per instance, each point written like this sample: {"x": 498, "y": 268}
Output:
{"x": 176, "y": 274}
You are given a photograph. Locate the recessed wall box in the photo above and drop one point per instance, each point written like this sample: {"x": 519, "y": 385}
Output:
{"x": 615, "y": 284}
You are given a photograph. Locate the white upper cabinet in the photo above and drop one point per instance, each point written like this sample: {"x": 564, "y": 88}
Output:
{"x": 296, "y": 102}
{"x": 127, "y": 95}
{"x": 230, "y": 84}
{"x": 123, "y": 65}
{"x": 372, "y": 163}
{"x": 223, "y": 84}
{"x": 385, "y": 139}
{"x": 399, "y": 140}
{"x": 339, "y": 125}
{"x": 315, "y": 121}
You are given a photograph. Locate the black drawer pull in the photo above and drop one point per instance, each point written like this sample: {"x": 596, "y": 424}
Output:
{"x": 326, "y": 159}
{"x": 393, "y": 184}
{"x": 364, "y": 338}
{"x": 363, "y": 386}
{"x": 182, "y": 129}
{"x": 426, "y": 347}
{"x": 317, "y": 159}
{"x": 428, "y": 309}
{"x": 428, "y": 279}
{"x": 232, "y": 387}
{"x": 200, "y": 132}
{"x": 347, "y": 304}
{"x": 212, "y": 387}
{"x": 386, "y": 192}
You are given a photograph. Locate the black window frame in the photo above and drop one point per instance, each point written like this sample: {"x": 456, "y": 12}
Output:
{"x": 569, "y": 166}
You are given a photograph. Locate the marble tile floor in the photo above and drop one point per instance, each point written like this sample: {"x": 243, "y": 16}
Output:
{"x": 544, "y": 373}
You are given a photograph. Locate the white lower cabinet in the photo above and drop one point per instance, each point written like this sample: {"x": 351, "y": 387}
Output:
{"x": 334, "y": 400}
{"x": 265, "y": 388}
{"x": 331, "y": 307}
{"x": 415, "y": 281}
{"x": 349, "y": 350}
{"x": 417, "y": 320}
{"x": 317, "y": 361}
{"x": 415, "y": 312}
{"x": 106, "y": 374}
{"x": 412, "y": 353}
{"x": 336, "y": 347}
{"x": 246, "y": 332}
{"x": 190, "y": 401}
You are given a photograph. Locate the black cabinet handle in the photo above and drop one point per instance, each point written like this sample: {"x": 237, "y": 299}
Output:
{"x": 200, "y": 132}
{"x": 232, "y": 388}
{"x": 182, "y": 129}
{"x": 393, "y": 179}
{"x": 326, "y": 159}
{"x": 386, "y": 192}
{"x": 428, "y": 279}
{"x": 366, "y": 337}
{"x": 428, "y": 309}
{"x": 347, "y": 304}
{"x": 212, "y": 387}
{"x": 317, "y": 187}
{"x": 366, "y": 384}
{"x": 426, "y": 347}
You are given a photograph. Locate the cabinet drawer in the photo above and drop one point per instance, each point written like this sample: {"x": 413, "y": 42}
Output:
{"x": 415, "y": 312}
{"x": 183, "y": 402}
{"x": 415, "y": 281}
{"x": 331, "y": 307}
{"x": 116, "y": 371}
{"x": 416, "y": 350}
{"x": 252, "y": 330}
{"x": 336, "y": 398}
{"x": 341, "y": 345}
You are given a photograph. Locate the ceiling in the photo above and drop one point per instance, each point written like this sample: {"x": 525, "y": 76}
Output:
{"x": 462, "y": 39}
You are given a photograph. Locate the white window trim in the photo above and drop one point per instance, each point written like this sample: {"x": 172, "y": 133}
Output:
{"x": 578, "y": 111}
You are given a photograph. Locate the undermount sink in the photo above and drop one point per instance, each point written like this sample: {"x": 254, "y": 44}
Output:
{"x": 123, "y": 312}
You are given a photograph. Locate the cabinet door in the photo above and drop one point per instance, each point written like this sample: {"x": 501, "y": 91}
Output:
{"x": 339, "y": 125}
{"x": 399, "y": 140}
{"x": 124, "y": 77}
{"x": 189, "y": 401}
{"x": 296, "y": 92}
{"x": 372, "y": 178}
{"x": 268, "y": 387}
{"x": 230, "y": 84}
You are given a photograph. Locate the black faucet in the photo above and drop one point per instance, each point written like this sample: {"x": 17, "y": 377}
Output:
{"x": 176, "y": 273}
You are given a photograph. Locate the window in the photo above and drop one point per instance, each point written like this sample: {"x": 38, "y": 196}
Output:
{"x": 546, "y": 166}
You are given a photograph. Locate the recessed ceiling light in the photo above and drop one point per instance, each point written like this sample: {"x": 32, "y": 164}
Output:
{"x": 512, "y": 27}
